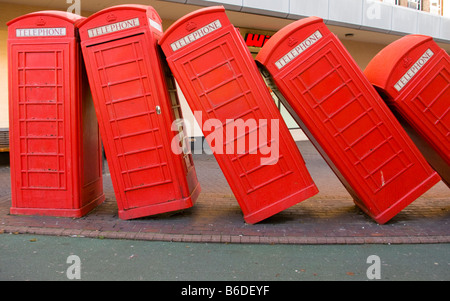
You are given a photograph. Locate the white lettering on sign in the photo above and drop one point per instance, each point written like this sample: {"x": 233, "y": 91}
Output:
{"x": 196, "y": 35}
{"x": 414, "y": 69}
{"x": 41, "y": 32}
{"x": 312, "y": 39}
{"x": 102, "y": 30}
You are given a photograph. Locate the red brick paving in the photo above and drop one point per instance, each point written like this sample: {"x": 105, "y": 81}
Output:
{"x": 328, "y": 218}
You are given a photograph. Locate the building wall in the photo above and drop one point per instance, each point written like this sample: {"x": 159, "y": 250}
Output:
{"x": 9, "y": 12}
{"x": 426, "y": 5}
{"x": 3, "y": 71}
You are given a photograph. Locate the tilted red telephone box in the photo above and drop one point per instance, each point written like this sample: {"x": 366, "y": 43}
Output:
{"x": 413, "y": 77}
{"x": 347, "y": 121}
{"x": 56, "y": 156}
{"x": 136, "y": 112}
{"x": 224, "y": 89}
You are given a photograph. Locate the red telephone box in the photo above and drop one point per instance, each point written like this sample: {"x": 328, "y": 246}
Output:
{"x": 413, "y": 77}
{"x": 224, "y": 89}
{"x": 344, "y": 117}
{"x": 56, "y": 159}
{"x": 136, "y": 112}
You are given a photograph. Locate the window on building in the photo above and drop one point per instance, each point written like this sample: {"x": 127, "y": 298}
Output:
{"x": 436, "y": 7}
{"x": 415, "y": 4}
{"x": 393, "y": 2}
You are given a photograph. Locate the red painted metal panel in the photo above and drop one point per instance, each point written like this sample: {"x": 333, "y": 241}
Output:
{"x": 413, "y": 77}
{"x": 136, "y": 110}
{"x": 222, "y": 85}
{"x": 329, "y": 96}
{"x": 56, "y": 160}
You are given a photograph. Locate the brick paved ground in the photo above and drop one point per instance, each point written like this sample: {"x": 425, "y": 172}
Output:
{"x": 328, "y": 218}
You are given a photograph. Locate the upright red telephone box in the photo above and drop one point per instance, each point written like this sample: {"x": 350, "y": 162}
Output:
{"x": 56, "y": 158}
{"x": 136, "y": 112}
{"x": 413, "y": 77}
{"x": 223, "y": 87}
{"x": 350, "y": 125}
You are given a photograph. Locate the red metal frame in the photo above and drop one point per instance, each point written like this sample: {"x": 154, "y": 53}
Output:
{"x": 219, "y": 78}
{"x": 413, "y": 77}
{"x": 56, "y": 159}
{"x": 328, "y": 95}
{"x": 136, "y": 110}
